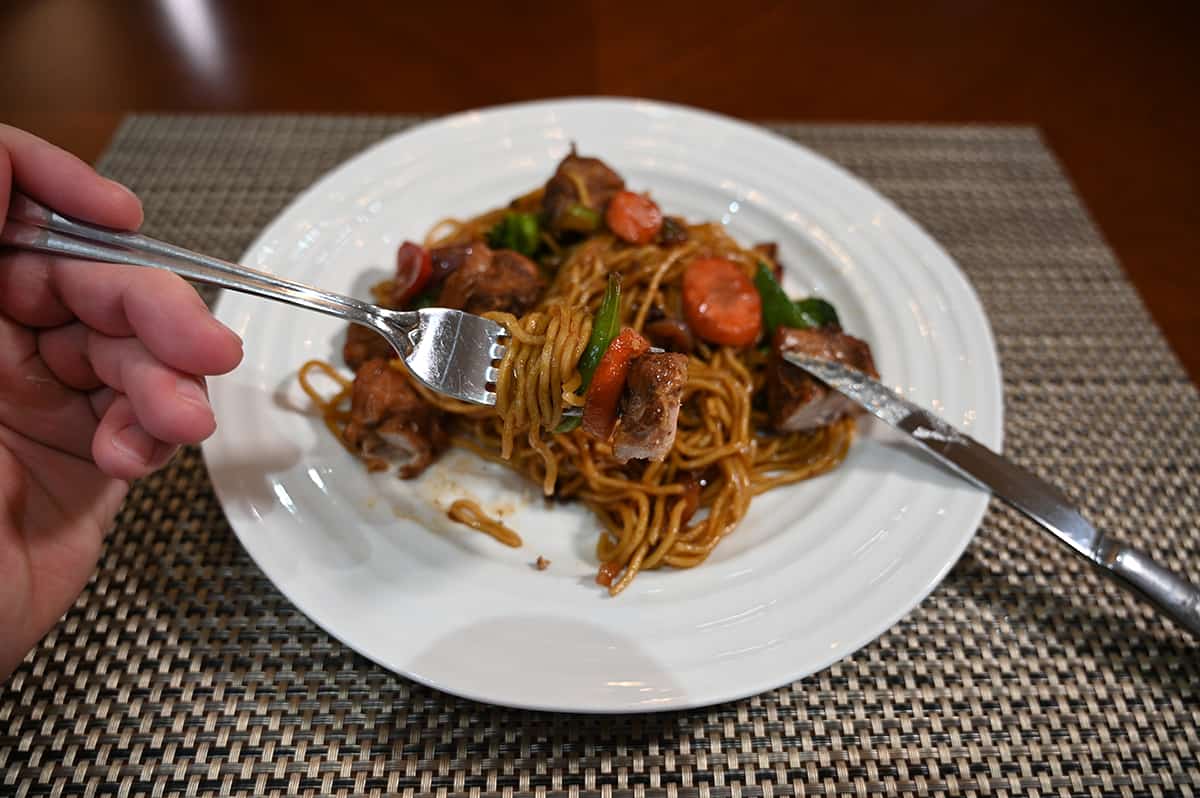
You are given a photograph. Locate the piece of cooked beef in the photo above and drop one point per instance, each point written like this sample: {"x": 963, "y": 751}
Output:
{"x": 389, "y": 422}
{"x": 598, "y": 182}
{"x": 363, "y": 344}
{"x": 797, "y": 401}
{"x": 670, "y": 334}
{"x": 771, "y": 250}
{"x": 650, "y": 406}
{"x": 768, "y": 248}
{"x": 673, "y": 231}
{"x": 447, "y": 260}
{"x": 506, "y": 281}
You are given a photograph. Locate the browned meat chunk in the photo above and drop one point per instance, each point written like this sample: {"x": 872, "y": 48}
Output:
{"x": 771, "y": 250}
{"x": 673, "y": 231}
{"x": 578, "y": 181}
{"x": 768, "y": 248}
{"x": 389, "y": 422}
{"x": 447, "y": 260}
{"x": 672, "y": 335}
{"x": 504, "y": 281}
{"x": 650, "y": 407}
{"x": 798, "y": 401}
{"x": 363, "y": 344}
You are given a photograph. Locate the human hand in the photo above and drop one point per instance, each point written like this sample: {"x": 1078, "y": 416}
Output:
{"x": 101, "y": 378}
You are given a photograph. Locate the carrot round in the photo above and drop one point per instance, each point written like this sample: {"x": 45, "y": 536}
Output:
{"x": 600, "y": 406}
{"x": 720, "y": 302}
{"x": 633, "y": 218}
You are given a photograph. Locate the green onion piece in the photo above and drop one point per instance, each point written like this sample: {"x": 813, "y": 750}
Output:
{"x": 516, "y": 231}
{"x": 605, "y": 327}
{"x": 580, "y": 219}
{"x": 569, "y": 423}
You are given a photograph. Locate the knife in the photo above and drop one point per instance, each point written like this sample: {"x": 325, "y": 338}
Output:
{"x": 1048, "y": 506}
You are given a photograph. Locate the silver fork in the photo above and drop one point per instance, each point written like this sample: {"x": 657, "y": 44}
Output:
{"x": 451, "y": 352}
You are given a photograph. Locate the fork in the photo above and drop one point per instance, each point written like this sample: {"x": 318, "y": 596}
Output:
{"x": 451, "y": 352}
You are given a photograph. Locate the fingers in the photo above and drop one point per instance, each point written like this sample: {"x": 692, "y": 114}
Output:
{"x": 58, "y": 179}
{"x": 64, "y": 351}
{"x": 45, "y": 291}
{"x": 27, "y": 292}
{"x": 102, "y": 399}
{"x": 150, "y": 334}
{"x": 169, "y": 404}
{"x": 122, "y": 448}
{"x": 159, "y": 308}
{"x": 40, "y": 290}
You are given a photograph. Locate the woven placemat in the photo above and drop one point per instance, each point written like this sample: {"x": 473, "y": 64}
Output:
{"x": 182, "y": 671}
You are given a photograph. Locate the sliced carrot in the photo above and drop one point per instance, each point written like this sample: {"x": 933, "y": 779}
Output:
{"x": 720, "y": 302}
{"x": 633, "y": 218}
{"x": 600, "y": 406}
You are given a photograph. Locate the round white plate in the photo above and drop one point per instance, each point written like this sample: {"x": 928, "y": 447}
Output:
{"x": 814, "y": 572}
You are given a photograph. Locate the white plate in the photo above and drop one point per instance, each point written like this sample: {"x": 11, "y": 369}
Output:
{"x": 814, "y": 572}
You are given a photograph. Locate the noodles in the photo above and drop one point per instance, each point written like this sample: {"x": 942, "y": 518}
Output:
{"x": 651, "y": 514}
{"x": 471, "y": 514}
{"x": 334, "y": 415}
{"x": 537, "y": 383}
{"x": 538, "y": 378}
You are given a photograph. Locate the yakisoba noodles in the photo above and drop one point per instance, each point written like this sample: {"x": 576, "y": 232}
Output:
{"x": 727, "y": 446}
{"x": 467, "y": 512}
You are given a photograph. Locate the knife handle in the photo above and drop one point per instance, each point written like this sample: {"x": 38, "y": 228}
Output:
{"x": 1169, "y": 591}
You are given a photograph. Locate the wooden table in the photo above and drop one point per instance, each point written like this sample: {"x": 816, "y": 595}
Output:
{"x": 1113, "y": 86}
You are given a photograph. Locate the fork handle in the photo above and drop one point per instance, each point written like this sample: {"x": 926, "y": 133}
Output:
{"x": 31, "y": 226}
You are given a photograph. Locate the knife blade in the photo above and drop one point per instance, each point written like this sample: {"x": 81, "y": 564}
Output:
{"x": 1022, "y": 489}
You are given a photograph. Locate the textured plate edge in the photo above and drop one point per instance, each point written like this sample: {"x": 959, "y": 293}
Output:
{"x": 925, "y": 241}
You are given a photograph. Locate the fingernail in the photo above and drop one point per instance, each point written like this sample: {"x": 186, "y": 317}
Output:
{"x": 235, "y": 335}
{"x": 192, "y": 390}
{"x": 124, "y": 189}
{"x": 135, "y": 444}
{"x": 134, "y": 198}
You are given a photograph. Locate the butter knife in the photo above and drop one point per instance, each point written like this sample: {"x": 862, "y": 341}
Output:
{"x": 1174, "y": 595}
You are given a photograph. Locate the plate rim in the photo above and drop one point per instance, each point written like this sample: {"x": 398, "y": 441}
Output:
{"x": 962, "y": 283}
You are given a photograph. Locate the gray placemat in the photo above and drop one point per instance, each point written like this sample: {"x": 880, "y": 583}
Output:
{"x": 182, "y": 671}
